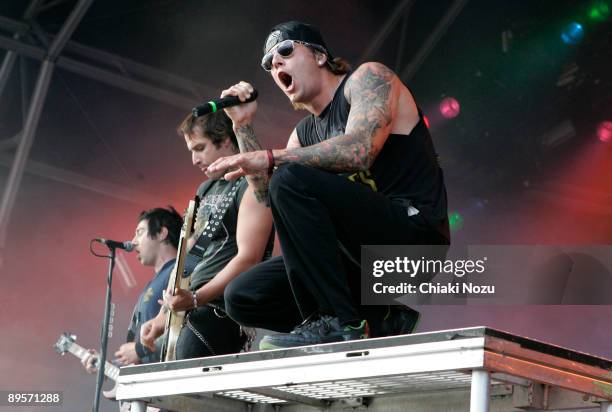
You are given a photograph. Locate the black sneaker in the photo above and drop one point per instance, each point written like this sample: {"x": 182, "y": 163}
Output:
{"x": 324, "y": 329}
{"x": 398, "y": 320}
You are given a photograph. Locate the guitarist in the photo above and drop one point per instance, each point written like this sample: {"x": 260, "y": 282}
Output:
{"x": 155, "y": 242}
{"x": 240, "y": 242}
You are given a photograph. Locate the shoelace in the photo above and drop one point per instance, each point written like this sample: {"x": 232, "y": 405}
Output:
{"x": 308, "y": 325}
{"x": 305, "y": 322}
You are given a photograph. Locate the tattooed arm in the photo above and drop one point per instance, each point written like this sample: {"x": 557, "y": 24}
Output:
{"x": 242, "y": 118}
{"x": 373, "y": 91}
{"x": 247, "y": 142}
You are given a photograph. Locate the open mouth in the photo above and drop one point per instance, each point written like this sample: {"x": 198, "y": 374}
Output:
{"x": 285, "y": 79}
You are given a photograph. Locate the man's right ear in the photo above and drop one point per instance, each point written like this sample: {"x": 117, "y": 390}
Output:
{"x": 321, "y": 58}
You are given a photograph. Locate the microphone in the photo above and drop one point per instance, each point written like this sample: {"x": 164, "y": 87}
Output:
{"x": 113, "y": 244}
{"x": 215, "y": 105}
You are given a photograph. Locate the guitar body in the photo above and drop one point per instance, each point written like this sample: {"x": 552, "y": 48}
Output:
{"x": 175, "y": 320}
{"x": 174, "y": 324}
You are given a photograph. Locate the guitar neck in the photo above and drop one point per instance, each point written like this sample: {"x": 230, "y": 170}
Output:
{"x": 179, "y": 267}
{"x": 177, "y": 274}
{"x": 177, "y": 280}
{"x": 80, "y": 352}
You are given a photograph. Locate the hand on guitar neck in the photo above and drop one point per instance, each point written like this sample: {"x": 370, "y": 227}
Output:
{"x": 126, "y": 355}
{"x": 90, "y": 361}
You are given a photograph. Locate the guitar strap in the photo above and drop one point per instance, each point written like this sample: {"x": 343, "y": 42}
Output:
{"x": 195, "y": 254}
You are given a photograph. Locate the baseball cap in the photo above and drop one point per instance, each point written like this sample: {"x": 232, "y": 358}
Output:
{"x": 295, "y": 30}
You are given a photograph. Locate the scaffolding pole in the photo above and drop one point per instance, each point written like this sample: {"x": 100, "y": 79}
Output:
{"x": 401, "y": 10}
{"x": 20, "y": 29}
{"x": 431, "y": 42}
{"x": 33, "y": 117}
{"x": 23, "y": 150}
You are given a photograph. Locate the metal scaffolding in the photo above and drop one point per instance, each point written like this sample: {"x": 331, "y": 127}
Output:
{"x": 430, "y": 43}
{"x": 36, "y": 104}
{"x": 107, "y": 68}
{"x": 29, "y": 40}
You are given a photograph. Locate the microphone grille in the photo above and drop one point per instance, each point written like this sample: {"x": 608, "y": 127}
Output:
{"x": 129, "y": 246}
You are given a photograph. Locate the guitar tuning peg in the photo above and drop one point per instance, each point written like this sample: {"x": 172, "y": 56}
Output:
{"x": 73, "y": 337}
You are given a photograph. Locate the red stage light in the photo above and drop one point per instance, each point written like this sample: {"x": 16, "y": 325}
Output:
{"x": 604, "y": 131}
{"x": 449, "y": 107}
{"x": 426, "y": 120}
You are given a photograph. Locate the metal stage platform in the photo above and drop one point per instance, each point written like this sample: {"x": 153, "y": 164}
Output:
{"x": 474, "y": 369}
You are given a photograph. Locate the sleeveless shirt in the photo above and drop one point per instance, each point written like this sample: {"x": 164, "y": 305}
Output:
{"x": 222, "y": 247}
{"x": 406, "y": 169}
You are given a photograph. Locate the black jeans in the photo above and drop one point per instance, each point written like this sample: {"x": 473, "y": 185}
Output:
{"x": 314, "y": 213}
{"x": 221, "y": 335}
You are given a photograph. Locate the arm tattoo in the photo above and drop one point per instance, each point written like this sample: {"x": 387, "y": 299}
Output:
{"x": 370, "y": 93}
{"x": 247, "y": 142}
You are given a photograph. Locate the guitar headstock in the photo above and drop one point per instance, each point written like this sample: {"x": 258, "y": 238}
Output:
{"x": 65, "y": 341}
{"x": 190, "y": 216}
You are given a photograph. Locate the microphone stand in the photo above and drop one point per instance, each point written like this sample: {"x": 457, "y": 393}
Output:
{"x": 105, "y": 328}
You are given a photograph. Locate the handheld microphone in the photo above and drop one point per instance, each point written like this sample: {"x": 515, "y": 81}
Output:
{"x": 215, "y": 105}
{"x": 127, "y": 246}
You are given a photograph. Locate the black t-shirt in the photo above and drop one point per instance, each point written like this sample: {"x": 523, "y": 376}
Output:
{"x": 222, "y": 247}
{"x": 406, "y": 169}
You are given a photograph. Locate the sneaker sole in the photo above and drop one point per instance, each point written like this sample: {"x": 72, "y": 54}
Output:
{"x": 265, "y": 345}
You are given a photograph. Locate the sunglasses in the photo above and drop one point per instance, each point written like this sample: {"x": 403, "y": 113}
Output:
{"x": 285, "y": 49}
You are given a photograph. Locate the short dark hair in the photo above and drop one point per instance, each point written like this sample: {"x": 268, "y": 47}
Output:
{"x": 159, "y": 217}
{"x": 214, "y": 126}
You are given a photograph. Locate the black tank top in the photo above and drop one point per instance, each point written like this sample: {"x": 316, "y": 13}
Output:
{"x": 406, "y": 169}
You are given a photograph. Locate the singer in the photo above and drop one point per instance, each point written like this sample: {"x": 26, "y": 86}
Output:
{"x": 155, "y": 242}
{"x": 363, "y": 125}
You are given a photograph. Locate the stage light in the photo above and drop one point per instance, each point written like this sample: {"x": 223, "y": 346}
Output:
{"x": 426, "y": 120}
{"x": 449, "y": 107}
{"x": 455, "y": 221}
{"x": 604, "y": 131}
{"x": 599, "y": 11}
{"x": 572, "y": 33}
